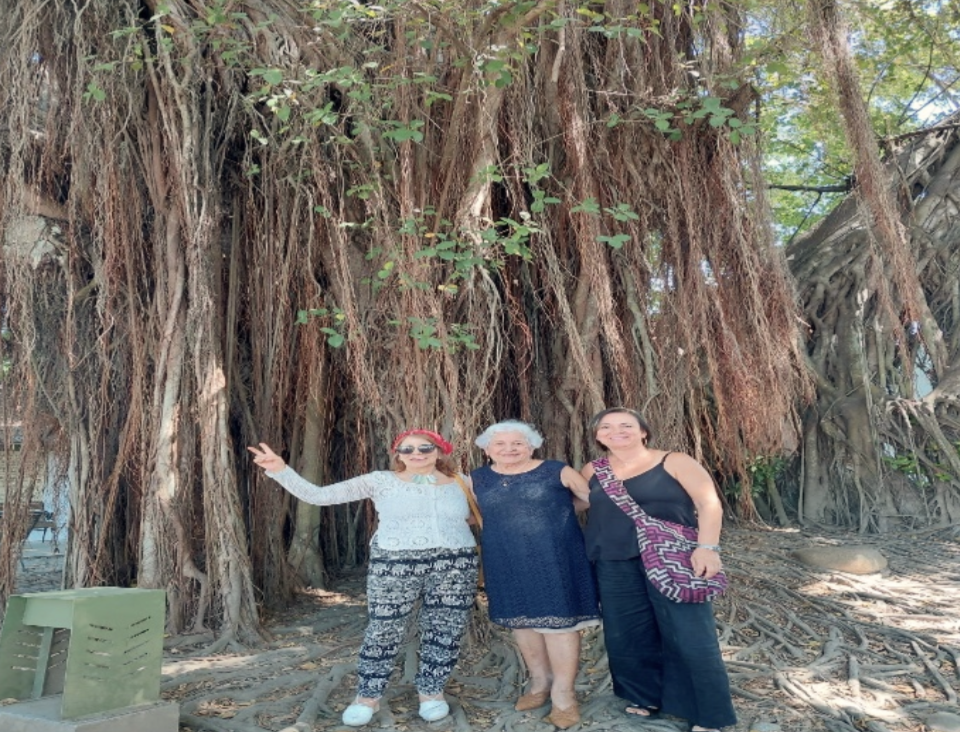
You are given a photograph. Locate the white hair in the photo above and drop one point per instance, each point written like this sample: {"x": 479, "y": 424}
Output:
{"x": 534, "y": 438}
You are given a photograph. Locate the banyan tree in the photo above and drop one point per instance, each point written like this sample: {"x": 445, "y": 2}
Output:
{"x": 317, "y": 223}
{"x": 881, "y": 442}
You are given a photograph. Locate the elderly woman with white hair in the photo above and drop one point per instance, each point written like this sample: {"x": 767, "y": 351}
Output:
{"x": 538, "y": 580}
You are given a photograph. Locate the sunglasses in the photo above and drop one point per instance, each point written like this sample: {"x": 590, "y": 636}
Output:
{"x": 410, "y": 449}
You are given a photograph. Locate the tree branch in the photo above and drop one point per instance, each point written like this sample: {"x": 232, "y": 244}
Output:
{"x": 841, "y": 188}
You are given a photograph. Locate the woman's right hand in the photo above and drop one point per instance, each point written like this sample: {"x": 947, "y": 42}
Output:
{"x": 267, "y": 458}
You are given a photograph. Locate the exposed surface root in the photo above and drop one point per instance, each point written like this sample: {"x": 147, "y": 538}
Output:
{"x": 806, "y": 650}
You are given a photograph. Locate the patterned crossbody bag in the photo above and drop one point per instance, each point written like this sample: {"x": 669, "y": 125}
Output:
{"x": 665, "y": 547}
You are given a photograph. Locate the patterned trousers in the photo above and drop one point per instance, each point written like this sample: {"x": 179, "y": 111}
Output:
{"x": 446, "y": 581}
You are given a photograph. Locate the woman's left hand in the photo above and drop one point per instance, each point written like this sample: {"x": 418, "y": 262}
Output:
{"x": 706, "y": 562}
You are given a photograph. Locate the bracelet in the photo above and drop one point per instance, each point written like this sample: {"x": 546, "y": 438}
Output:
{"x": 711, "y": 547}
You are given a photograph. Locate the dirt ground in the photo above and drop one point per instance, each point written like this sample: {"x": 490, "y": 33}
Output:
{"x": 805, "y": 649}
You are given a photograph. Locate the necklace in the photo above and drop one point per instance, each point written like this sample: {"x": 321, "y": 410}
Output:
{"x": 422, "y": 479}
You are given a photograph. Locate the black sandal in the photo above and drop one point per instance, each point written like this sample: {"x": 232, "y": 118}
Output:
{"x": 644, "y": 712}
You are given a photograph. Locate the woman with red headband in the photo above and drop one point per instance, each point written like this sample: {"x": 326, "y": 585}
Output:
{"x": 423, "y": 549}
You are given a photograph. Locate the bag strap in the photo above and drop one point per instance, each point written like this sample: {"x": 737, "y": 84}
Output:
{"x": 614, "y": 488}
{"x": 471, "y": 500}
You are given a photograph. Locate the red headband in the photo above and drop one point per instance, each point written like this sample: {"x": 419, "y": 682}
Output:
{"x": 445, "y": 447}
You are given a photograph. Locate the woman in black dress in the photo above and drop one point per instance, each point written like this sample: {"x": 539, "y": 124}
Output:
{"x": 664, "y": 655}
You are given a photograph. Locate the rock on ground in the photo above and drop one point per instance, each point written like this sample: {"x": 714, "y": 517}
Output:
{"x": 853, "y": 559}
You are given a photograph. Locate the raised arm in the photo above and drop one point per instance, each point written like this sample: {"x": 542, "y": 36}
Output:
{"x": 354, "y": 489}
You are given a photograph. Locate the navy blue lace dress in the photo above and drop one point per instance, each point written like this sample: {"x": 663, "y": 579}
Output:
{"x": 535, "y": 566}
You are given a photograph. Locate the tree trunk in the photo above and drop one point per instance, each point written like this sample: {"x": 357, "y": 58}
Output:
{"x": 880, "y": 440}
{"x": 305, "y": 555}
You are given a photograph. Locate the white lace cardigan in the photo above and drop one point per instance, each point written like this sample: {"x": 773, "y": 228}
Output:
{"x": 412, "y": 515}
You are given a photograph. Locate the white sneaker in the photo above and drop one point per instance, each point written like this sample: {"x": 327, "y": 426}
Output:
{"x": 434, "y": 709}
{"x": 358, "y": 715}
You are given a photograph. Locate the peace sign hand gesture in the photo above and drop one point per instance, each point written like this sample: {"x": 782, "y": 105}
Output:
{"x": 267, "y": 458}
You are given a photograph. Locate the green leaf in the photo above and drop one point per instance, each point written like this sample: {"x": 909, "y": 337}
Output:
{"x": 401, "y": 135}
{"x": 623, "y": 212}
{"x": 712, "y": 103}
{"x": 589, "y": 205}
{"x": 433, "y": 97}
{"x": 616, "y": 241}
{"x": 94, "y": 92}
{"x": 402, "y": 132}
{"x": 536, "y": 174}
{"x": 504, "y": 80}
{"x": 271, "y": 76}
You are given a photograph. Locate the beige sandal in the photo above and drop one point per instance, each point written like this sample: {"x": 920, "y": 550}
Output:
{"x": 534, "y": 700}
{"x": 564, "y": 718}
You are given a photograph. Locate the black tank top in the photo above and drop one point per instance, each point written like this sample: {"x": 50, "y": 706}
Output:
{"x": 611, "y": 534}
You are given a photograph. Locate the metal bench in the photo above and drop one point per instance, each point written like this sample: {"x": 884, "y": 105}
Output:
{"x": 38, "y": 518}
{"x": 42, "y": 519}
